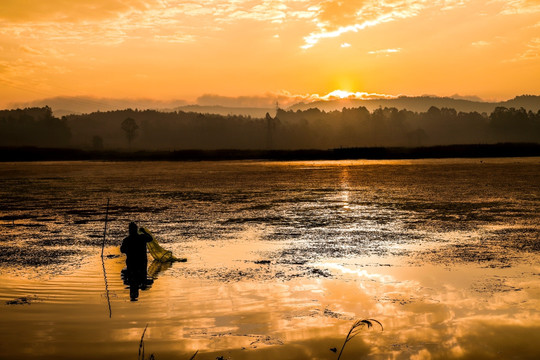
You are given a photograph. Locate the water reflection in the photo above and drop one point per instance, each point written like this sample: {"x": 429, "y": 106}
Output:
{"x": 135, "y": 274}
{"x": 157, "y": 267}
{"x": 107, "y": 294}
{"x": 135, "y": 283}
{"x": 277, "y": 268}
{"x": 427, "y": 312}
{"x": 345, "y": 187}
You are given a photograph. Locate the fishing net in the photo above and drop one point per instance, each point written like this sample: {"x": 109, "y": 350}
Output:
{"x": 157, "y": 252}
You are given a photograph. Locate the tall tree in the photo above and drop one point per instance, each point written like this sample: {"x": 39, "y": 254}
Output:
{"x": 130, "y": 128}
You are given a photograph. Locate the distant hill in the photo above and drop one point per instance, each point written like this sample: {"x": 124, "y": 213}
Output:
{"x": 225, "y": 111}
{"x": 76, "y": 105}
{"x": 423, "y": 103}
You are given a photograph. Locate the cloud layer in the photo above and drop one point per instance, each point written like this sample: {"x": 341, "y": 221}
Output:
{"x": 168, "y": 49}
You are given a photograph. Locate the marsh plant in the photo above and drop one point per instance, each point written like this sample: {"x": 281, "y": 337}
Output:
{"x": 152, "y": 357}
{"x": 141, "y": 346}
{"x": 355, "y": 329}
{"x": 358, "y": 326}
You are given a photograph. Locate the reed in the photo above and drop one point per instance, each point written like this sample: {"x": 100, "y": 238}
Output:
{"x": 141, "y": 346}
{"x": 355, "y": 330}
{"x": 151, "y": 357}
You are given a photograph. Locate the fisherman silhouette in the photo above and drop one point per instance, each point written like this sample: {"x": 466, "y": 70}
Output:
{"x": 134, "y": 246}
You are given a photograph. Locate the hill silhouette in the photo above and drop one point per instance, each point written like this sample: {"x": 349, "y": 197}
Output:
{"x": 423, "y": 103}
{"x": 77, "y": 105}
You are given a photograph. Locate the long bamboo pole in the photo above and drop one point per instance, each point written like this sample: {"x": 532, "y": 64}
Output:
{"x": 105, "y": 230}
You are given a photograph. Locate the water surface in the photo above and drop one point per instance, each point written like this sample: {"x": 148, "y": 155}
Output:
{"x": 283, "y": 257}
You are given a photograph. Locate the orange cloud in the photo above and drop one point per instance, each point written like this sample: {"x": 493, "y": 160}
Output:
{"x": 384, "y": 52}
{"x": 284, "y": 98}
{"x": 512, "y": 7}
{"x": 335, "y": 17}
{"x": 68, "y": 10}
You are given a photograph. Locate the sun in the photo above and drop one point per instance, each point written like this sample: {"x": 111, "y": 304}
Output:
{"x": 340, "y": 94}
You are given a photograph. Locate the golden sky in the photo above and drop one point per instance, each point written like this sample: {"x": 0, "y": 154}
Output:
{"x": 168, "y": 49}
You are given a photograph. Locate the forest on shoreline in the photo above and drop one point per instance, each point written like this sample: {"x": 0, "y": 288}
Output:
{"x": 18, "y": 154}
{"x": 312, "y": 129}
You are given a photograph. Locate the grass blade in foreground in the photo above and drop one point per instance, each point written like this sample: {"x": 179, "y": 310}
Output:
{"x": 355, "y": 330}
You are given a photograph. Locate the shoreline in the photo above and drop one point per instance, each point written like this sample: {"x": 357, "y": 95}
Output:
{"x": 501, "y": 150}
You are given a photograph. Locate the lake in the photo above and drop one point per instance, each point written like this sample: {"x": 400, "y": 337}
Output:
{"x": 283, "y": 257}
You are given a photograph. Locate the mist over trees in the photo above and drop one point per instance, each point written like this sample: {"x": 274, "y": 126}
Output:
{"x": 301, "y": 129}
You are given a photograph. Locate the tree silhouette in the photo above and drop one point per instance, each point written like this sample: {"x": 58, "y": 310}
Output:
{"x": 130, "y": 127}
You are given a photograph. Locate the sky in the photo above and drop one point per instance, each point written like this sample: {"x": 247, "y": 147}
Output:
{"x": 258, "y": 52}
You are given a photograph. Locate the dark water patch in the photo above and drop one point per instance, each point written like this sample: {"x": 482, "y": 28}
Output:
{"x": 319, "y": 272}
{"x": 256, "y": 220}
{"x": 191, "y": 196}
{"x": 478, "y": 253}
{"x": 78, "y": 222}
{"x": 24, "y": 225}
{"x": 23, "y": 300}
{"x": 259, "y": 207}
{"x": 18, "y": 217}
{"x": 263, "y": 262}
{"x": 298, "y": 199}
{"x": 224, "y": 274}
{"x": 494, "y": 285}
{"x": 35, "y": 255}
{"x": 523, "y": 239}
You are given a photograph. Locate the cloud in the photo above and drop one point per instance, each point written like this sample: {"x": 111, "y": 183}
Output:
{"x": 284, "y": 99}
{"x": 385, "y": 52}
{"x": 532, "y": 51}
{"x": 341, "y": 94}
{"x": 515, "y": 7}
{"x": 480, "y": 43}
{"x": 28, "y": 75}
{"x": 335, "y": 17}
{"x": 175, "y": 38}
{"x": 69, "y": 10}
{"x": 112, "y": 22}
{"x": 29, "y": 50}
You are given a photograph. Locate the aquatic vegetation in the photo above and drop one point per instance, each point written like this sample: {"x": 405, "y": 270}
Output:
{"x": 152, "y": 357}
{"x": 141, "y": 347}
{"x": 355, "y": 330}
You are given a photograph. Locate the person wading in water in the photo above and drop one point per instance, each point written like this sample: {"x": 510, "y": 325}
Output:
{"x": 134, "y": 246}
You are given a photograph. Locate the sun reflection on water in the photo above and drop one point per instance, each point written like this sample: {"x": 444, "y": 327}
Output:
{"x": 280, "y": 263}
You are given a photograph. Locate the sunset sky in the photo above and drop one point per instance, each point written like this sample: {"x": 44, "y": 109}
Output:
{"x": 267, "y": 50}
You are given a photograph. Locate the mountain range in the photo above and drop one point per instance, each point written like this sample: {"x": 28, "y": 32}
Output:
{"x": 423, "y": 103}
{"x": 78, "y": 105}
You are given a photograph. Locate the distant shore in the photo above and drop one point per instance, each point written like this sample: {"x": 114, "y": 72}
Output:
{"x": 16, "y": 154}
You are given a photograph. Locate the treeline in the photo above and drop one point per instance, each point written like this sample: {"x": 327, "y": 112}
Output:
{"x": 392, "y": 127}
{"x": 373, "y": 153}
{"x": 308, "y": 129}
{"x": 33, "y": 126}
